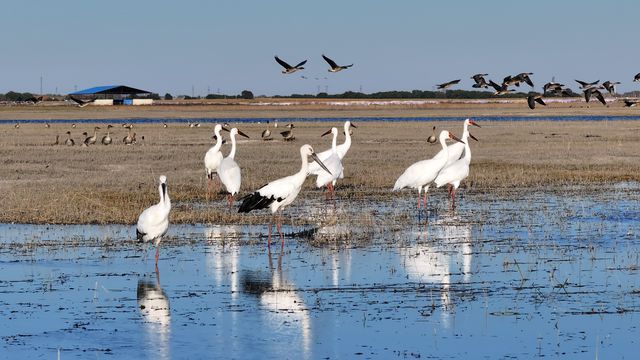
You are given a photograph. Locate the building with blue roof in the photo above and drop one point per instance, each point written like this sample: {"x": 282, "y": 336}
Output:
{"x": 115, "y": 95}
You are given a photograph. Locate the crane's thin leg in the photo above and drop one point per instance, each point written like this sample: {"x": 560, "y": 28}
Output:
{"x": 269, "y": 239}
{"x": 279, "y": 225}
{"x": 453, "y": 197}
{"x": 157, "y": 254}
{"x": 230, "y": 200}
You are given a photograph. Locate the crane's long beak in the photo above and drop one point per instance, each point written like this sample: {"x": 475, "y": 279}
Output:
{"x": 164, "y": 190}
{"x": 317, "y": 159}
{"x": 453, "y": 137}
{"x": 243, "y": 134}
{"x": 474, "y": 123}
{"x": 224, "y": 128}
{"x": 473, "y": 137}
{"x": 326, "y": 133}
{"x": 352, "y": 125}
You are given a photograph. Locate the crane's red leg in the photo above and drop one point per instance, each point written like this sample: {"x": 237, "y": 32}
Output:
{"x": 279, "y": 225}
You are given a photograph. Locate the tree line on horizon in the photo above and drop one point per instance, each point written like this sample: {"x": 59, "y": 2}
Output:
{"x": 397, "y": 94}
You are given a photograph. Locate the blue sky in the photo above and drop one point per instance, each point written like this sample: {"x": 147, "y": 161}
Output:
{"x": 172, "y": 46}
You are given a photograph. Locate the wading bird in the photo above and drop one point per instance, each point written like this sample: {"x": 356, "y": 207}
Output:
{"x": 456, "y": 150}
{"x": 280, "y": 193}
{"x": 154, "y": 220}
{"x": 229, "y": 171}
{"x": 213, "y": 156}
{"x": 335, "y": 67}
{"x": 420, "y": 174}
{"x": 532, "y": 99}
{"x": 333, "y": 163}
{"x": 342, "y": 149}
{"x": 288, "y": 69}
{"x": 456, "y": 172}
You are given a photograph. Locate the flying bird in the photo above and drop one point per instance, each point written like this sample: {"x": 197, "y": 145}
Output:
{"x": 532, "y": 99}
{"x": 153, "y": 222}
{"x": 288, "y": 69}
{"x": 630, "y": 103}
{"x": 610, "y": 86}
{"x": 445, "y": 86}
{"x": 552, "y": 86}
{"x": 480, "y": 81}
{"x": 587, "y": 85}
{"x": 335, "y": 67}
{"x": 636, "y": 78}
{"x": 500, "y": 89}
{"x": 524, "y": 77}
{"x": 589, "y": 91}
{"x": 80, "y": 102}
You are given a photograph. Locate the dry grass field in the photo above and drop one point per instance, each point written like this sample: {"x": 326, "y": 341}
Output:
{"x": 45, "y": 183}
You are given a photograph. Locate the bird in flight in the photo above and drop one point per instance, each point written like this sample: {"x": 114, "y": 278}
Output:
{"x": 288, "y": 69}
{"x": 335, "y": 67}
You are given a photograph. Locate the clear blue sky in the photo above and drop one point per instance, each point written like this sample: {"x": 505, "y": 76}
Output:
{"x": 170, "y": 46}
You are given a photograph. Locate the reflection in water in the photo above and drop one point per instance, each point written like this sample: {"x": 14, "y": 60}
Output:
{"x": 223, "y": 253}
{"x": 286, "y": 310}
{"x": 340, "y": 258}
{"x": 448, "y": 251}
{"x": 154, "y": 307}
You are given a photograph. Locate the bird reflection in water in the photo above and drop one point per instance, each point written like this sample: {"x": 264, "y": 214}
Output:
{"x": 153, "y": 304}
{"x": 438, "y": 257}
{"x": 285, "y": 310}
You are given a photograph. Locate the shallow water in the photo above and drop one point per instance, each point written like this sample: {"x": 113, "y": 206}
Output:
{"x": 548, "y": 274}
{"x": 329, "y": 119}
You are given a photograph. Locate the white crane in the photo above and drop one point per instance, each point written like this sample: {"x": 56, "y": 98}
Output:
{"x": 154, "y": 220}
{"x": 229, "y": 171}
{"x": 341, "y": 149}
{"x": 455, "y": 173}
{"x": 333, "y": 163}
{"x": 280, "y": 193}
{"x": 455, "y": 151}
{"x": 213, "y": 157}
{"x": 422, "y": 173}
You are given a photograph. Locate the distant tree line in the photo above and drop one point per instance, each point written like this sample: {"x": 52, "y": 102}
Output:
{"x": 16, "y": 96}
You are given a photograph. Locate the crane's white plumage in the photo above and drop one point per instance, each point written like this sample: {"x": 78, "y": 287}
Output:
{"x": 458, "y": 170}
{"x": 341, "y": 149}
{"x": 229, "y": 170}
{"x": 333, "y": 163}
{"x": 420, "y": 174}
{"x": 456, "y": 150}
{"x": 281, "y": 192}
{"x": 154, "y": 220}
{"x": 213, "y": 157}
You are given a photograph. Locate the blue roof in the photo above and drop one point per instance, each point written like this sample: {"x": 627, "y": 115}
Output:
{"x": 110, "y": 89}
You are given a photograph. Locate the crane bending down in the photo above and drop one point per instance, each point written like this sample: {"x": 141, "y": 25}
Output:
{"x": 154, "y": 220}
{"x": 420, "y": 174}
{"x": 229, "y": 170}
{"x": 280, "y": 193}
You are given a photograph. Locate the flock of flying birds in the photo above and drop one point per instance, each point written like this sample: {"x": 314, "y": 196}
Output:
{"x": 588, "y": 88}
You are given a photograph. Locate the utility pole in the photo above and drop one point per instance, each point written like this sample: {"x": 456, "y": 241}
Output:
{"x": 192, "y": 91}
{"x": 40, "y": 84}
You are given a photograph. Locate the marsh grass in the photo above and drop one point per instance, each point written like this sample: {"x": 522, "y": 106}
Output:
{"x": 42, "y": 183}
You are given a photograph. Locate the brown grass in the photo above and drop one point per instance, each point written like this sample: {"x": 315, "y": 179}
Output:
{"x": 42, "y": 183}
